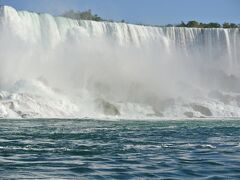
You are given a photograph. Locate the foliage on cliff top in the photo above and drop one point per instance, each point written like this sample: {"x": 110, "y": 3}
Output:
{"x": 87, "y": 15}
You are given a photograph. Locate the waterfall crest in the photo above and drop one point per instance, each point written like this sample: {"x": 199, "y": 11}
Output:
{"x": 59, "y": 67}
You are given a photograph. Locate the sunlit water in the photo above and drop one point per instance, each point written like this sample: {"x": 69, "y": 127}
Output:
{"x": 70, "y": 149}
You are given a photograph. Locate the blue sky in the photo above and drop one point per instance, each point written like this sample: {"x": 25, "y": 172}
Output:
{"x": 141, "y": 11}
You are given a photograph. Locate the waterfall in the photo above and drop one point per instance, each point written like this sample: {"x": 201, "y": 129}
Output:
{"x": 85, "y": 68}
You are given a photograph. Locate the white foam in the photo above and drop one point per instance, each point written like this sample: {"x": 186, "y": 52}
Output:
{"x": 134, "y": 71}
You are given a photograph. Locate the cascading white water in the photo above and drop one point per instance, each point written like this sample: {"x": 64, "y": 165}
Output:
{"x": 59, "y": 67}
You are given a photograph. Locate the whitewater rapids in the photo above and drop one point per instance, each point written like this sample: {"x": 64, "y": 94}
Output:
{"x": 54, "y": 67}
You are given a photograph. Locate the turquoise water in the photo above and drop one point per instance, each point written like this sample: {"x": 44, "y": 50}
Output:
{"x": 73, "y": 149}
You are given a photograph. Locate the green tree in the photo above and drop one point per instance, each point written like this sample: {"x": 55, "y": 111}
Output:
{"x": 212, "y": 25}
{"x": 232, "y": 25}
{"x": 169, "y": 25}
{"x": 202, "y": 25}
{"x": 85, "y": 15}
{"x": 192, "y": 24}
{"x": 182, "y": 24}
{"x": 229, "y": 25}
{"x": 226, "y": 25}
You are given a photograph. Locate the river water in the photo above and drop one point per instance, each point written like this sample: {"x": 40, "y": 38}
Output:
{"x": 70, "y": 149}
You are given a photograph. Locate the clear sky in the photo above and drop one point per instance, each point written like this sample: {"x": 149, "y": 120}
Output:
{"x": 141, "y": 11}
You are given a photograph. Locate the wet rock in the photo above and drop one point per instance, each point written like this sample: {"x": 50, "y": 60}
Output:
{"x": 107, "y": 108}
{"x": 189, "y": 114}
{"x": 21, "y": 114}
{"x": 25, "y": 115}
{"x": 156, "y": 113}
{"x": 202, "y": 109}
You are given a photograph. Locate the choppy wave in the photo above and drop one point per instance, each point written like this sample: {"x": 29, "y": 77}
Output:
{"x": 60, "y": 149}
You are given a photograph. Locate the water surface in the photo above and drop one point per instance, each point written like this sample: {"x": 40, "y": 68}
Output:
{"x": 70, "y": 149}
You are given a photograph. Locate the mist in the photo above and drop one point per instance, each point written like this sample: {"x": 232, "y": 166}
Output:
{"x": 106, "y": 68}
